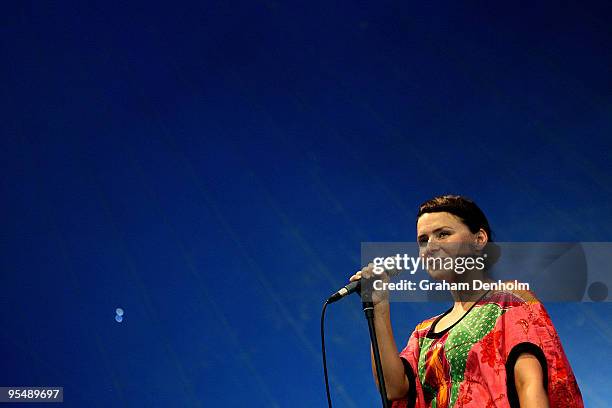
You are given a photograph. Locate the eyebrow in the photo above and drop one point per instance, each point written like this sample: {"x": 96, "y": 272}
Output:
{"x": 433, "y": 232}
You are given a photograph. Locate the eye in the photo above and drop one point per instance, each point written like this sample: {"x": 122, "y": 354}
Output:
{"x": 443, "y": 234}
{"x": 422, "y": 241}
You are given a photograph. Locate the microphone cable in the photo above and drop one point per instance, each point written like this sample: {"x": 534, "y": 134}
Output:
{"x": 329, "y": 402}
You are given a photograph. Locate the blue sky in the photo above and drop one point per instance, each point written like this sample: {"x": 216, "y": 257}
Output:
{"x": 212, "y": 168}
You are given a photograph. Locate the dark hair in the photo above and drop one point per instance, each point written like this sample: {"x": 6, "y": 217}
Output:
{"x": 469, "y": 213}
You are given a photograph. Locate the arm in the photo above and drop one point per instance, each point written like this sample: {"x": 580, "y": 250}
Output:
{"x": 396, "y": 382}
{"x": 528, "y": 378}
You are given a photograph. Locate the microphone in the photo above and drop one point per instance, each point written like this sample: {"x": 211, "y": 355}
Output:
{"x": 355, "y": 286}
{"x": 352, "y": 287}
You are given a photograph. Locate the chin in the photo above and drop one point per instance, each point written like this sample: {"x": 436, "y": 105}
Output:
{"x": 442, "y": 274}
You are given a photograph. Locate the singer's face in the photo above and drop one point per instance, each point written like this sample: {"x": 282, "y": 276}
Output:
{"x": 443, "y": 235}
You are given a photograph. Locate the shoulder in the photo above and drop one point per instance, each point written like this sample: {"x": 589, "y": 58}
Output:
{"x": 510, "y": 296}
{"x": 522, "y": 317}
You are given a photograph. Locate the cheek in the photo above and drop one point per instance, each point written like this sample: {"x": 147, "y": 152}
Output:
{"x": 461, "y": 237}
{"x": 449, "y": 249}
{"x": 458, "y": 244}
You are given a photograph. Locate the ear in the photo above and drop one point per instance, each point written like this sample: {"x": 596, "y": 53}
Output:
{"x": 480, "y": 239}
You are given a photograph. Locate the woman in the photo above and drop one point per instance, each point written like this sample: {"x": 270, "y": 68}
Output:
{"x": 490, "y": 349}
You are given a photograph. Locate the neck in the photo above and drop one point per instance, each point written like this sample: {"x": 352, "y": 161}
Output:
{"x": 464, "y": 299}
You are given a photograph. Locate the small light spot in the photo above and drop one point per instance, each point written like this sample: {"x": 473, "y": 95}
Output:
{"x": 119, "y": 311}
{"x": 119, "y": 318}
{"x": 598, "y": 291}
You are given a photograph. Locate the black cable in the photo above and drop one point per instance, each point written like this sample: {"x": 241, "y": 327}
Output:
{"x": 329, "y": 403}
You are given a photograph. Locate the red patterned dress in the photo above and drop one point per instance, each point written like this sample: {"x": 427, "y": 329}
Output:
{"x": 471, "y": 363}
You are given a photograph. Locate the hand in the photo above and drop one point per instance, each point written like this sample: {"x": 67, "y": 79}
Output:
{"x": 379, "y": 297}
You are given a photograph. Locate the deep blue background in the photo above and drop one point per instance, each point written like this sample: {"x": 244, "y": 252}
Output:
{"x": 212, "y": 168}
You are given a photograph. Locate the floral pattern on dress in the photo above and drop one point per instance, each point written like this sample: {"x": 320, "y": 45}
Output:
{"x": 466, "y": 366}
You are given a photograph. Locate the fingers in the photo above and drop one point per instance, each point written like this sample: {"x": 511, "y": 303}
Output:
{"x": 365, "y": 272}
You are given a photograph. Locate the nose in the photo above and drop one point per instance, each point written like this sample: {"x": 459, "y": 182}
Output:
{"x": 430, "y": 248}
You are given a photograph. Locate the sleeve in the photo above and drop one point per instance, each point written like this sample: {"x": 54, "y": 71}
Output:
{"x": 410, "y": 359}
{"x": 528, "y": 328}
